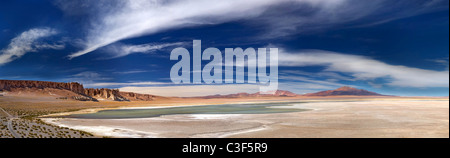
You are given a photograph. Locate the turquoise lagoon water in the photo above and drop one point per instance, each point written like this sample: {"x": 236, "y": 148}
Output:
{"x": 265, "y": 108}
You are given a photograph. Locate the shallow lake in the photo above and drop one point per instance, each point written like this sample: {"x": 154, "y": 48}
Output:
{"x": 264, "y": 108}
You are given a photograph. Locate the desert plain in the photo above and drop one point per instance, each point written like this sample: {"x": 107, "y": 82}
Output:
{"x": 325, "y": 117}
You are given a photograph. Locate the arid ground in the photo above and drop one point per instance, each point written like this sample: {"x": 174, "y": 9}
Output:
{"x": 338, "y": 117}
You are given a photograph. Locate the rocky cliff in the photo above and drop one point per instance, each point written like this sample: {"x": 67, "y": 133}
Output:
{"x": 79, "y": 92}
{"x": 105, "y": 94}
{"x": 137, "y": 97}
{"x": 7, "y": 85}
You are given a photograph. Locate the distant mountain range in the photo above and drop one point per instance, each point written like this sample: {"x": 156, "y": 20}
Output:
{"x": 279, "y": 93}
{"x": 76, "y": 91}
{"x": 345, "y": 91}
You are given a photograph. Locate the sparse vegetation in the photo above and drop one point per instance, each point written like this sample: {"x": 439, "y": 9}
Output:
{"x": 26, "y": 110}
{"x": 35, "y": 128}
{"x": 26, "y": 125}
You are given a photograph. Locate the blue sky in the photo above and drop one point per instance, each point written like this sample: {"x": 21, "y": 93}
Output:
{"x": 391, "y": 47}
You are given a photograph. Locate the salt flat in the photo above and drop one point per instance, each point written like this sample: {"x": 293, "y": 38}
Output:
{"x": 370, "y": 118}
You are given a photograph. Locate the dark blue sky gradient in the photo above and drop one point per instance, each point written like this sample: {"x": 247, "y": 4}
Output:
{"x": 415, "y": 41}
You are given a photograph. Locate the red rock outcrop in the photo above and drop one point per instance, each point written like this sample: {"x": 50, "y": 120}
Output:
{"x": 108, "y": 94}
{"x": 8, "y": 85}
{"x": 80, "y": 92}
{"x": 137, "y": 97}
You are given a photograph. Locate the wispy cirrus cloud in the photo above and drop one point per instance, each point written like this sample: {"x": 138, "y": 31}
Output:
{"x": 364, "y": 68}
{"x": 87, "y": 77}
{"x": 92, "y": 79}
{"x": 118, "y": 50}
{"x": 130, "y": 72}
{"x": 116, "y": 20}
{"x": 111, "y": 21}
{"x": 124, "y": 84}
{"x": 310, "y": 17}
{"x": 26, "y": 42}
{"x": 442, "y": 62}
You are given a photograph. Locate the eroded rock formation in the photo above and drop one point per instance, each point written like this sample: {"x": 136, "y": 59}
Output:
{"x": 81, "y": 93}
{"x": 108, "y": 94}
{"x": 7, "y": 85}
{"x": 137, "y": 97}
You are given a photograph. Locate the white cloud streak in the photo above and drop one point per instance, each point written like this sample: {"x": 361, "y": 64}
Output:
{"x": 365, "y": 68}
{"x": 27, "y": 42}
{"x": 134, "y": 18}
{"x": 116, "y": 20}
{"x": 120, "y": 50}
{"x": 443, "y": 61}
{"x": 124, "y": 84}
{"x": 88, "y": 77}
{"x": 342, "y": 14}
{"x": 131, "y": 72}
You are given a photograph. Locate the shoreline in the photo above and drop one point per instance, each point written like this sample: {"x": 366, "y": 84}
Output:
{"x": 252, "y": 125}
{"x": 290, "y": 100}
{"x": 100, "y": 131}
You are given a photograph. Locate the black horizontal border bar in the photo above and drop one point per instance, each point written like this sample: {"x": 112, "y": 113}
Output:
{"x": 165, "y": 146}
